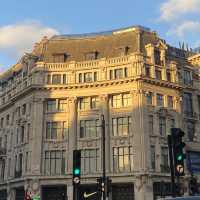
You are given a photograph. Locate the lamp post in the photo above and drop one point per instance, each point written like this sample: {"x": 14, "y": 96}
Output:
{"x": 104, "y": 154}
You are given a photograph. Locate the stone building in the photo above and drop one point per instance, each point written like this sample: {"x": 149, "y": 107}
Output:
{"x": 52, "y": 100}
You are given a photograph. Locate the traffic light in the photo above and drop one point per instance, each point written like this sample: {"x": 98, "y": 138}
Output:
{"x": 76, "y": 166}
{"x": 193, "y": 186}
{"x": 178, "y": 151}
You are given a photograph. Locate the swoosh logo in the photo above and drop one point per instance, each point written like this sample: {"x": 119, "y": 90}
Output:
{"x": 88, "y": 195}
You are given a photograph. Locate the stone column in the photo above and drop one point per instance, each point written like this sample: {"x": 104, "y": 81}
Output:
{"x": 73, "y": 136}
{"x": 69, "y": 192}
{"x": 10, "y": 193}
{"x": 37, "y": 135}
{"x": 143, "y": 188}
{"x": 105, "y": 111}
{"x": 141, "y": 138}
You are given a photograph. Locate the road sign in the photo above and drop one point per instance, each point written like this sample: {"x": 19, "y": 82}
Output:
{"x": 193, "y": 161}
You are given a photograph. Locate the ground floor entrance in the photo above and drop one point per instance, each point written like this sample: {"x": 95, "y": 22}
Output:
{"x": 3, "y": 195}
{"x": 54, "y": 192}
{"x": 119, "y": 191}
{"x": 19, "y": 193}
{"x": 161, "y": 189}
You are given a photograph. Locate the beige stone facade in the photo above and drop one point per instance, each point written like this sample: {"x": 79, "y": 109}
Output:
{"x": 51, "y": 103}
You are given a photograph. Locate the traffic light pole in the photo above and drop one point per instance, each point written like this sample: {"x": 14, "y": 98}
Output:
{"x": 171, "y": 166}
{"x": 104, "y": 154}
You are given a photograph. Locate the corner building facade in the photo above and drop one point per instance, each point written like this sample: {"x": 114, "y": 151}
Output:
{"x": 51, "y": 103}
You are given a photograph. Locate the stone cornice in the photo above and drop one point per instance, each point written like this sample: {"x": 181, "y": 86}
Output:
{"x": 90, "y": 85}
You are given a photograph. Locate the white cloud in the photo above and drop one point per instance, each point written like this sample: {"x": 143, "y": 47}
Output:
{"x": 192, "y": 27}
{"x": 173, "y": 9}
{"x": 17, "y": 39}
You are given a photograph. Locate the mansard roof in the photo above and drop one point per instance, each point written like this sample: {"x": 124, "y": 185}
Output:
{"x": 106, "y": 44}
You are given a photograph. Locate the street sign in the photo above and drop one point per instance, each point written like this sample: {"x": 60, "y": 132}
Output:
{"x": 193, "y": 161}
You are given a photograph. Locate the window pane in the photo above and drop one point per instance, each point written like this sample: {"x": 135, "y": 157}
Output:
{"x": 88, "y": 77}
{"x": 56, "y": 79}
{"x": 160, "y": 101}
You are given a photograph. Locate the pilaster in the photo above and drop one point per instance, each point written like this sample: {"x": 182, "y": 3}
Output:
{"x": 73, "y": 137}
{"x": 37, "y": 135}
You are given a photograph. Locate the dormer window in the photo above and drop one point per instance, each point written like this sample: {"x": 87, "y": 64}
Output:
{"x": 91, "y": 55}
{"x": 60, "y": 57}
{"x": 123, "y": 51}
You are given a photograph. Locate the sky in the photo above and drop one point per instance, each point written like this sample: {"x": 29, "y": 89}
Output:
{"x": 25, "y": 22}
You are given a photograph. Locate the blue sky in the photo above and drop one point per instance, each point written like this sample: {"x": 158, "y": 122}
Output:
{"x": 22, "y": 22}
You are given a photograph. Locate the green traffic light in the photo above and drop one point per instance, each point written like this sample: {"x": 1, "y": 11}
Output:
{"x": 77, "y": 171}
{"x": 180, "y": 157}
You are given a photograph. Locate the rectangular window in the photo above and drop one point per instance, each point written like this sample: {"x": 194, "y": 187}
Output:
{"x": 88, "y": 77}
{"x": 84, "y": 103}
{"x": 54, "y": 162}
{"x": 28, "y": 132}
{"x": 28, "y": 161}
{"x": 94, "y": 102}
{"x": 121, "y": 126}
{"x": 89, "y": 128}
{"x": 56, "y": 130}
{"x": 187, "y": 104}
{"x": 149, "y": 98}
{"x": 162, "y": 126}
{"x": 117, "y": 101}
{"x": 150, "y": 122}
{"x": 48, "y": 79}
{"x": 147, "y": 71}
{"x": 111, "y": 75}
{"x": 64, "y": 79}
{"x": 62, "y": 105}
{"x": 153, "y": 157}
{"x": 24, "y": 109}
{"x": 2, "y": 122}
{"x": 190, "y": 127}
{"x": 56, "y": 79}
{"x": 7, "y": 119}
{"x": 80, "y": 78}
{"x": 168, "y": 75}
{"x": 126, "y": 100}
{"x": 123, "y": 159}
{"x": 95, "y": 76}
{"x": 160, "y": 100}
{"x": 51, "y": 105}
{"x": 90, "y": 161}
{"x": 164, "y": 166}
{"x": 170, "y": 102}
{"x": 121, "y": 100}
{"x": 157, "y": 57}
{"x": 187, "y": 78}
{"x": 158, "y": 74}
{"x": 20, "y": 163}
{"x": 9, "y": 167}
{"x": 118, "y": 73}
{"x": 22, "y": 134}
